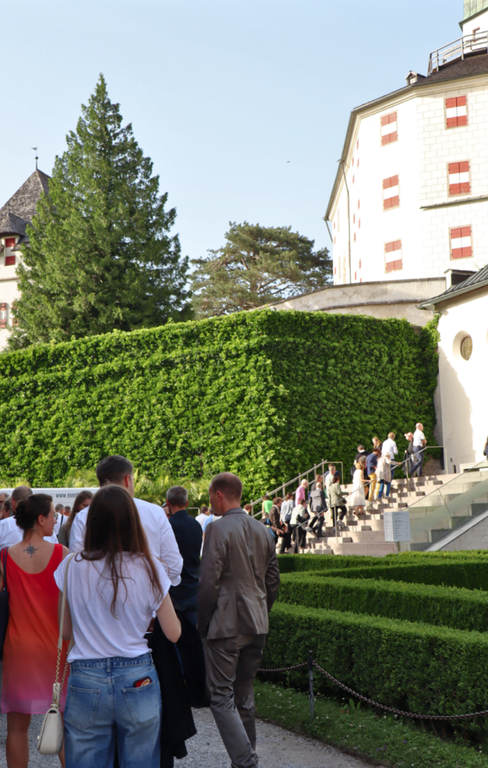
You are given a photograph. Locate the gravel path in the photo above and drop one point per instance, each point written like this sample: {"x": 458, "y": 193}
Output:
{"x": 277, "y": 748}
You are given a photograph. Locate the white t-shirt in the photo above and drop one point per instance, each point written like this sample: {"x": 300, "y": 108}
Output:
{"x": 97, "y": 633}
{"x": 159, "y": 533}
{"x": 11, "y": 534}
{"x": 201, "y": 518}
{"x": 418, "y": 436}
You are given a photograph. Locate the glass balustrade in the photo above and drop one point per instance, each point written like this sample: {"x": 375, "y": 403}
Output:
{"x": 435, "y": 516}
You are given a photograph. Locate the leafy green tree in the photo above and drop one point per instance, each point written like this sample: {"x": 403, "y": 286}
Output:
{"x": 100, "y": 256}
{"x": 257, "y": 266}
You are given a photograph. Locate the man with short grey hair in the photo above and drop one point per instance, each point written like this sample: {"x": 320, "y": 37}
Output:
{"x": 188, "y": 534}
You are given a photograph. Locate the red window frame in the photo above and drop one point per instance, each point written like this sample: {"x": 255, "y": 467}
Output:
{"x": 391, "y": 202}
{"x": 458, "y": 249}
{"x": 10, "y": 260}
{"x": 393, "y": 265}
{"x": 463, "y": 188}
{"x": 460, "y": 105}
{"x": 389, "y": 138}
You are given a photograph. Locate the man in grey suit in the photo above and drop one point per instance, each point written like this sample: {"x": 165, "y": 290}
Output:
{"x": 239, "y": 581}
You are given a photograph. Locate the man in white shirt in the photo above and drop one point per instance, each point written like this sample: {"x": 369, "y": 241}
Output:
{"x": 390, "y": 449}
{"x": 419, "y": 443}
{"x": 10, "y": 533}
{"x": 162, "y": 543}
{"x": 204, "y": 513}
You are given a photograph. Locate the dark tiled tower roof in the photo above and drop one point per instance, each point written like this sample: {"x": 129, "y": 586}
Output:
{"x": 19, "y": 210}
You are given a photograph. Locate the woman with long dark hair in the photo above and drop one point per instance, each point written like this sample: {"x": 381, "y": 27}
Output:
{"x": 113, "y": 587}
{"x": 30, "y": 648}
{"x": 82, "y": 501}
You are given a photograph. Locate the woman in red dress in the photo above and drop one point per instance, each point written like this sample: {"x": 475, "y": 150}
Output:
{"x": 30, "y": 649}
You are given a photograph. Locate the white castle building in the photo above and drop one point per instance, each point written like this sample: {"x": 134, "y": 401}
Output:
{"x": 410, "y": 199}
{"x": 15, "y": 215}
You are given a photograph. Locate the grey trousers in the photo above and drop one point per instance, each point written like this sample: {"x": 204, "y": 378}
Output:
{"x": 232, "y": 663}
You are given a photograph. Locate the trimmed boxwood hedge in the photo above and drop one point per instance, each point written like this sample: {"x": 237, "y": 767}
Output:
{"x": 212, "y": 395}
{"x": 469, "y": 574}
{"x": 415, "y": 667}
{"x": 447, "y": 606}
{"x": 310, "y": 562}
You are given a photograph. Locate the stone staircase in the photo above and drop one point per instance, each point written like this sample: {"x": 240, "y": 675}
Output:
{"x": 365, "y": 536}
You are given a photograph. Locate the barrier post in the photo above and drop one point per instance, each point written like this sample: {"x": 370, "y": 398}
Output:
{"x": 310, "y": 684}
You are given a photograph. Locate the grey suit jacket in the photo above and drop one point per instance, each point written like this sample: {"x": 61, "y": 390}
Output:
{"x": 239, "y": 577}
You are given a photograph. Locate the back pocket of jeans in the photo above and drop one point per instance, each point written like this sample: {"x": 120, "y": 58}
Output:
{"x": 143, "y": 703}
{"x": 81, "y": 706}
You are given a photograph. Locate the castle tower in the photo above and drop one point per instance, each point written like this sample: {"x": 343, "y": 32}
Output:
{"x": 410, "y": 198}
{"x": 15, "y": 215}
{"x": 475, "y": 17}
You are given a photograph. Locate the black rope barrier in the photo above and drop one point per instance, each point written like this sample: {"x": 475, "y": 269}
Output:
{"x": 312, "y": 663}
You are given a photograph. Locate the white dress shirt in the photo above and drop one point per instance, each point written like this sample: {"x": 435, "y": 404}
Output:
{"x": 159, "y": 533}
{"x": 418, "y": 436}
{"x": 389, "y": 448}
{"x": 10, "y": 533}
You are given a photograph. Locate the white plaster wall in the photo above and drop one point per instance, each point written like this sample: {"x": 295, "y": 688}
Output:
{"x": 440, "y": 147}
{"x": 463, "y": 382}
{"x": 480, "y": 21}
{"x": 420, "y": 157}
{"x": 8, "y": 290}
{"x": 395, "y": 299}
{"x": 8, "y": 294}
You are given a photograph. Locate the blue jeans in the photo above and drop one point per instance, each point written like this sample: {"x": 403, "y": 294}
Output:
{"x": 103, "y": 705}
{"x": 382, "y": 485}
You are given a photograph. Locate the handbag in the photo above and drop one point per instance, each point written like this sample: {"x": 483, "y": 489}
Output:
{"x": 50, "y": 739}
{"x": 3, "y": 601}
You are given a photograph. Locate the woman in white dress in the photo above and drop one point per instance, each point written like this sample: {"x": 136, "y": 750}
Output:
{"x": 357, "y": 498}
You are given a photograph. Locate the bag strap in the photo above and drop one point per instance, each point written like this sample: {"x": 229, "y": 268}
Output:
{"x": 58, "y": 687}
{"x": 3, "y": 558}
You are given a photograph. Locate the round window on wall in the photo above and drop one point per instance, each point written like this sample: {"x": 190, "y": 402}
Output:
{"x": 466, "y": 347}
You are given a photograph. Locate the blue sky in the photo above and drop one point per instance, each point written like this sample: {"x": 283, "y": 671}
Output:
{"x": 221, "y": 94}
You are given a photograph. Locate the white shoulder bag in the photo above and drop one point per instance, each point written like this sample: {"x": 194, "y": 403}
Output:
{"x": 50, "y": 739}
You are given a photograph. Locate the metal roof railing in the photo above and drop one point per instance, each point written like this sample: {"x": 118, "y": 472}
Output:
{"x": 458, "y": 49}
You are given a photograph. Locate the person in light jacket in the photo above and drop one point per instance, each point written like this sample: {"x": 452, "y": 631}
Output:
{"x": 336, "y": 501}
{"x": 383, "y": 475}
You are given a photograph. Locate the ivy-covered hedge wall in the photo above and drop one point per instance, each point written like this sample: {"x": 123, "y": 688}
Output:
{"x": 265, "y": 394}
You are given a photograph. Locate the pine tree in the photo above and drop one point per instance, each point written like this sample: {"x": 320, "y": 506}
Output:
{"x": 257, "y": 266}
{"x": 100, "y": 255}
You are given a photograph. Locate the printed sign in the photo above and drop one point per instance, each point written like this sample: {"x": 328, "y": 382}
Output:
{"x": 64, "y": 496}
{"x": 397, "y": 525}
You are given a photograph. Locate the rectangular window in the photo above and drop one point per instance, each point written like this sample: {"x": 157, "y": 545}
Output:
{"x": 456, "y": 111}
{"x": 9, "y": 261}
{"x": 389, "y": 128}
{"x": 3, "y": 315}
{"x": 393, "y": 256}
{"x": 9, "y": 242}
{"x": 459, "y": 183}
{"x": 461, "y": 243}
{"x": 391, "y": 193}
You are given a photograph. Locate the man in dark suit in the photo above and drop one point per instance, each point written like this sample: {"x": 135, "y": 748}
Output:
{"x": 239, "y": 581}
{"x": 188, "y": 535}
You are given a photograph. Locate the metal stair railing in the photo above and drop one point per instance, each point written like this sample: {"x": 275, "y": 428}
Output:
{"x": 319, "y": 468}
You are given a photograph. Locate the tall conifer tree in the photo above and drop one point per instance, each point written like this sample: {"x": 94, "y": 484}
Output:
{"x": 257, "y": 266}
{"x": 101, "y": 256}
